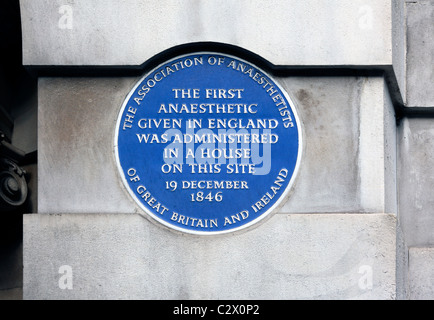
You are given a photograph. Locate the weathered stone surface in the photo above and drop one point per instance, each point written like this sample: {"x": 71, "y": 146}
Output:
{"x": 420, "y": 53}
{"x": 416, "y": 159}
{"x": 399, "y": 39}
{"x": 77, "y": 171}
{"x": 342, "y": 256}
{"x": 348, "y": 164}
{"x": 309, "y": 32}
{"x": 413, "y": 51}
{"x": 421, "y": 273}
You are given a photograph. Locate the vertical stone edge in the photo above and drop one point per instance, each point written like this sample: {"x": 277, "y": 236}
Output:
{"x": 399, "y": 45}
{"x": 391, "y": 192}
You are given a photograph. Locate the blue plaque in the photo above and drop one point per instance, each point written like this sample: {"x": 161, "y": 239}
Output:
{"x": 208, "y": 143}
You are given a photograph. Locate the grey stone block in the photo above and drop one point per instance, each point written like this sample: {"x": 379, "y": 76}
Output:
{"x": 402, "y": 291}
{"x": 416, "y": 159}
{"x": 399, "y": 39}
{"x": 309, "y": 32}
{"x": 413, "y": 51}
{"x": 77, "y": 171}
{"x": 348, "y": 165}
{"x": 123, "y": 256}
{"x": 421, "y": 273}
{"x": 349, "y": 161}
{"x": 420, "y": 53}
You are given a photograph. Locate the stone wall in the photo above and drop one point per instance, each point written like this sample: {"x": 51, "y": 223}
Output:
{"x": 357, "y": 225}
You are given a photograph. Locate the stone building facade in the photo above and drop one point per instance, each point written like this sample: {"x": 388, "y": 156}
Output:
{"x": 359, "y": 223}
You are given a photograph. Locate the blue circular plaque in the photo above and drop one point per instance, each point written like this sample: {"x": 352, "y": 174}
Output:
{"x": 208, "y": 143}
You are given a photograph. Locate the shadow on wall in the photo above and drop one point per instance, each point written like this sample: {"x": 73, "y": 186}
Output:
{"x": 18, "y": 149}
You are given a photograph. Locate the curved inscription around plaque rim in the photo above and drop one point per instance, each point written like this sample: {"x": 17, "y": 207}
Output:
{"x": 208, "y": 143}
